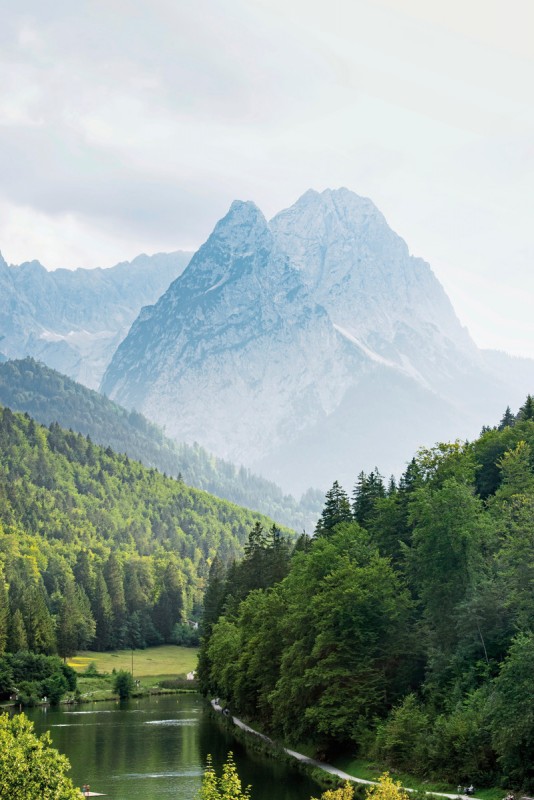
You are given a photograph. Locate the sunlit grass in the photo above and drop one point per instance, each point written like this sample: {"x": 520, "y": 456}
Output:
{"x": 164, "y": 661}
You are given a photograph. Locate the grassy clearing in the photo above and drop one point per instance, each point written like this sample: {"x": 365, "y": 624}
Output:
{"x": 150, "y": 667}
{"x": 164, "y": 661}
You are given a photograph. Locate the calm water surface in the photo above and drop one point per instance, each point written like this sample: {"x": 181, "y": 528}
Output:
{"x": 155, "y": 748}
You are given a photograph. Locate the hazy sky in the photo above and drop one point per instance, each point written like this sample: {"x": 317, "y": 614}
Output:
{"x": 130, "y": 126}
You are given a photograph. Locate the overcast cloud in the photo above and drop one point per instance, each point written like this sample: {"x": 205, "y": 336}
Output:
{"x": 131, "y": 126}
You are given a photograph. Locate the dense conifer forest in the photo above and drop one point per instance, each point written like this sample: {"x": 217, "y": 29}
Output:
{"x": 97, "y": 550}
{"x": 403, "y": 631}
{"x": 48, "y": 396}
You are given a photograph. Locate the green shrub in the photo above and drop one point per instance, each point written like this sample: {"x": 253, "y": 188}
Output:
{"x": 401, "y": 741}
{"x": 91, "y": 671}
{"x": 123, "y": 684}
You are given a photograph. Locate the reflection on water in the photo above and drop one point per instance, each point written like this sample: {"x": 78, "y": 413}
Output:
{"x": 155, "y": 748}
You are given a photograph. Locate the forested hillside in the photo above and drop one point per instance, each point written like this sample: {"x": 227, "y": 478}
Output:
{"x": 48, "y": 396}
{"x": 96, "y": 549}
{"x": 404, "y": 631}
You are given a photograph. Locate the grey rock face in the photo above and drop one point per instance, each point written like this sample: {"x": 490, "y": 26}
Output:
{"x": 307, "y": 347}
{"x": 235, "y": 338}
{"x": 75, "y": 320}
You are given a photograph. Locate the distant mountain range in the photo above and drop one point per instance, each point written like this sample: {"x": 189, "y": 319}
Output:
{"x": 310, "y": 347}
{"x": 49, "y": 397}
{"x": 307, "y": 347}
{"x": 74, "y": 319}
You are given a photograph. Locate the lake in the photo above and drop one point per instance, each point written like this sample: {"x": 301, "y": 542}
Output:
{"x": 156, "y": 747}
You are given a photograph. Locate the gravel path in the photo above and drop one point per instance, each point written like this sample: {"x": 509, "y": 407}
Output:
{"x": 344, "y": 776}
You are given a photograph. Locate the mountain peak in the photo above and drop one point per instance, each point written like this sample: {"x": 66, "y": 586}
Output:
{"x": 240, "y": 229}
{"x": 342, "y": 200}
{"x": 245, "y": 212}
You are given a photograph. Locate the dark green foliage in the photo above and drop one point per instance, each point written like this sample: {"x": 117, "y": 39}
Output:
{"x": 33, "y": 676}
{"x": 368, "y": 489}
{"x": 123, "y": 684}
{"x": 266, "y": 561}
{"x": 511, "y": 713}
{"x": 336, "y": 509}
{"x": 51, "y": 398}
{"x": 97, "y": 550}
{"x": 508, "y": 419}
{"x": 407, "y": 638}
{"x": 526, "y": 412}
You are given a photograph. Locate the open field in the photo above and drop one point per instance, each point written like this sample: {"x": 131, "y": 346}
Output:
{"x": 165, "y": 661}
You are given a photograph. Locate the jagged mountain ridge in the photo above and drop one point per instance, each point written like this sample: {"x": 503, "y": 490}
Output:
{"x": 284, "y": 344}
{"x": 241, "y": 294}
{"x": 73, "y": 320}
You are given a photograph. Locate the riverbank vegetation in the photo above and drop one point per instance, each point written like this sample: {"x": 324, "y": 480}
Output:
{"x": 403, "y": 632}
{"x": 29, "y": 678}
{"x": 228, "y": 786}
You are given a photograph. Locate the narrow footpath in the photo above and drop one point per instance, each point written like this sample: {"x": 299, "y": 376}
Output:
{"x": 344, "y": 776}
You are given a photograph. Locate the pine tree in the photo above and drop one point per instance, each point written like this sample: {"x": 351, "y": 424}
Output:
{"x": 508, "y": 420}
{"x": 368, "y": 489}
{"x": 17, "y": 639}
{"x": 102, "y": 613}
{"x": 169, "y": 607}
{"x": 84, "y": 573}
{"x": 336, "y": 509}
{"x": 276, "y": 557}
{"x": 67, "y": 619}
{"x": 526, "y": 412}
{"x": 37, "y": 620}
{"x": 214, "y": 596}
{"x": 4, "y": 613}
{"x": 114, "y": 578}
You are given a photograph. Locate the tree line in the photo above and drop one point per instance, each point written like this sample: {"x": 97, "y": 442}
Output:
{"x": 404, "y": 630}
{"x": 97, "y": 550}
{"x": 48, "y": 396}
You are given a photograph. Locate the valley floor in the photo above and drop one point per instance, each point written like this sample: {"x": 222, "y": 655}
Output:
{"x": 167, "y": 664}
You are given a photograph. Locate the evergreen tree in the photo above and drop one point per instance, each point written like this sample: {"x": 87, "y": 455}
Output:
{"x": 17, "y": 639}
{"x": 37, "y": 619}
{"x": 251, "y": 573}
{"x": 114, "y": 578}
{"x": 526, "y": 412}
{"x": 368, "y": 489}
{"x": 75, "y": 623}
{"x": 84, "y": 573}
{"x": 336, "y": 509}
{"x": 214, "y": 595}
{"x": 276, "y": 557}
{"x": 507, "y": 421}
{"x": 102, "y": 613}
{"x": 169, "y": 607}
{"x": 4, "y": 613}
{"x": 66, "y": 632}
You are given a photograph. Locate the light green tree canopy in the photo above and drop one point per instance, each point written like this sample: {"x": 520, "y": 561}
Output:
{"x": 30, "y": 767}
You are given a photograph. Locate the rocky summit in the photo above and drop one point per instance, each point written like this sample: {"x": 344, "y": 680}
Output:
{"x": 73, "y": 320}
{"x": 303, "y": 345}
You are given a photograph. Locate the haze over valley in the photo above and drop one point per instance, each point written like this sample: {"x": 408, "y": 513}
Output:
{"x": 305, "y": 348}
